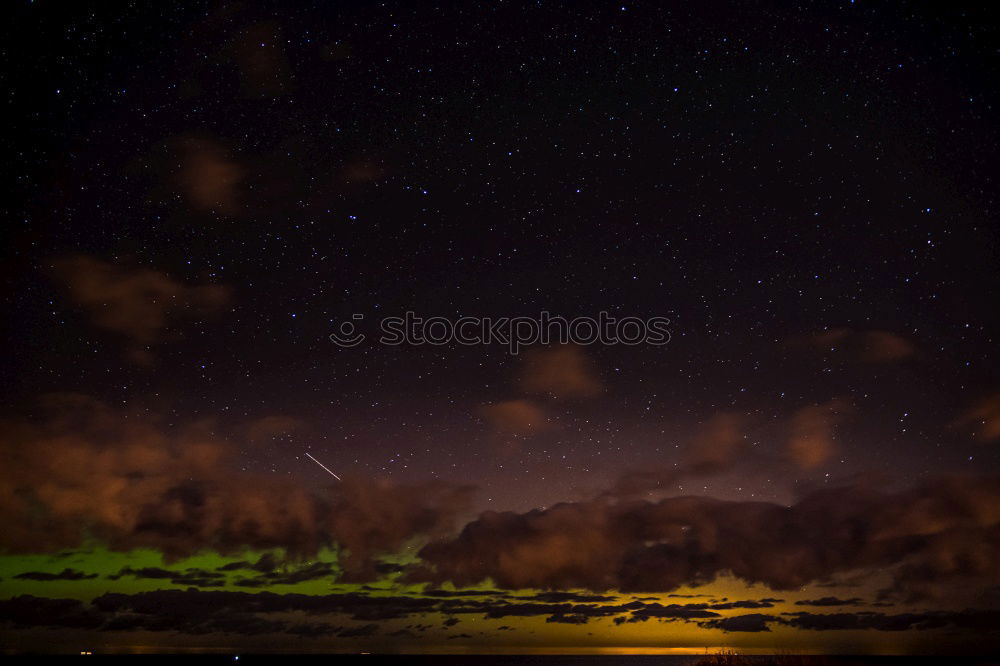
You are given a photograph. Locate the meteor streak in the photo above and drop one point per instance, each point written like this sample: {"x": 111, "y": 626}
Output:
{"x": 323, "y": 466}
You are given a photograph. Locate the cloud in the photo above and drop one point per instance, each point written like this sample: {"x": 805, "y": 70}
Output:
{"x": 883, "y": 347}
{"x": 977, "y": 620}
{"x": 718, "y": 444}
{"x": 198, "y": 612}
{"x": 575, "y": 597}
{"x": 558, "y": 372}
{"x": 721, "y": 442}
{"x": 830, "y": 601}
{"x": 752, "y": 622}
{"x": 30, "y": 611}
{"x": 314, "y": 571}
{"x": 373, "y": 517}
{"x": 65, "y": 574}
{"x": 518, "y": 417}
{"x": 568, "y": 619}
{"x": 811, "y": 441}
{"x": 79, "y": 469}
{"x": 191, "y": 577}
{"x": 208, "y": 177}
{"x": 464, "y": 593}
{"x": 746, "y": 603}
{"x": 554, "y": 373}
{"x": 940, "y": 533}
{"x": 984, "y": 416}
{"x": 258, "y": 52}
{"x": 872, "y": 346}
{"x": 137, "y": 303}
{"x": 265, "y": 563}
{"x": 164, "y": 609}
{"x": 673, "y": 612}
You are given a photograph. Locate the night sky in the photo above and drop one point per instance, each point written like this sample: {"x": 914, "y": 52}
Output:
{"x": 201, "y": 193}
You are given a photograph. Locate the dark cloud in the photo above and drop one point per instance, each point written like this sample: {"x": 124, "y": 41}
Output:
{"x": 65, "y": 574}
{"x": 748, "y": 603}
{"x": 265, "y": 563}
{"x": 568, "y": 619}
{"x": 640, "y": 546}
{"x": 314, "y": 571}
{"x": 234, "y": 566}
{"x": 198, "y": 612}
{"x": 976, "y": 620}
{"x": 677, "y": 596}
{"x": 573, "y": 597}
{"x": 641, "y": 612}
{"x": 402, "y": 633}
{"x": 358, "y": 632}
{"x": 503, "y": 609}
{"x": 969, "y": 619}
{"x": 673, "y": 611}
{"x": 188, "y": 577}
{"x": 313, "y": 629}
{"x": 752, "y": 622}
{"x": 360, "y": 607}
{"x": 30, "y": 611}
{"x": 830, "y": 601}
{"x": 465, "y": 593}
{"x": 369, "y": 518}
{"x": 388, "y": 568}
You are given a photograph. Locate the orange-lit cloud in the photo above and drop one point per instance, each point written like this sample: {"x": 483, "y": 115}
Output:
{"x": 518, "y": 417}
{"x": 984, "y": 418}
{"x": 82, "y": 470}
{"x": 208, "y": 177}
{"x": 718, "y": 443}
{"x": 811, "y": 441}
{"x": 138, "y": 303}
{"x": 559, "y": 372}
{"x": 873, "y": 346}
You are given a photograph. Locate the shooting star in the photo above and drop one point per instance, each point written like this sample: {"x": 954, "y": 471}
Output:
{"x": 323, "y": 466}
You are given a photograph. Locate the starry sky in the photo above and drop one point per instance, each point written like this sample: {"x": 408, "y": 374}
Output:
{"x": 204, "y": 192}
